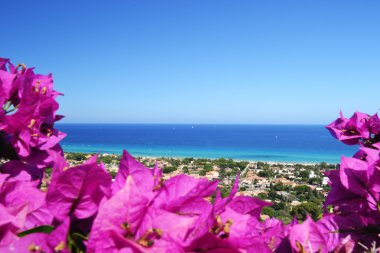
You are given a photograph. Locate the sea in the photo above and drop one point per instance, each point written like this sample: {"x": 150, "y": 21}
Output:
{"x": 270, "y": 143}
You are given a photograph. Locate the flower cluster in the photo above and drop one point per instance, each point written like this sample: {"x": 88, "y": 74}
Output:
{"x": 84, "y": 210}
{"x": 360, "y": 128}
{"x": 27, "y": 116}
{"x": 355, "y": 187}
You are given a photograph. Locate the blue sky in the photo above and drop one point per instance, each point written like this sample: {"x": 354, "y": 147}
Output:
{"x": 201, "y": 61}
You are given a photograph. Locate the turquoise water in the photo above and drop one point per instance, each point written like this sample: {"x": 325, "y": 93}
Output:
{"x": 277, "y": 143}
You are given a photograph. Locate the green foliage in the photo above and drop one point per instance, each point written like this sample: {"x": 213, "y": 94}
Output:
{"x": 169, "y": 169}
{"x": 281, "y": 195}
{"x": 272, "y": 195}
{"x": 112, "y": 173}
{"x": 301, "y": 189}
{"x": 326, "y": 166}
{"x": 48, "y": 172}
{"x": 233, "y": 172}
{"x": 41, "y": 229}
{"x": 286, "y": 219}
{"x": 315, "y": 181}
{"x": 280, "y": 187}
{"x": 279, "y": 205}
{"x": 187, "y": 160}
{"x": 323, "y": 165}
{"x": 225, "y": 191}
{"x": 76, "y": 242}
{"x": 279, "y": 165}
{"x": 107, "y": 159}
{"x": 185, "y": 169}
{"x": 224, "y": 163}
{"x": 261, "y": 165}
{"x": 208, "y": 167}
{"x": 243, "y": 188}
{"x": 174, "y": 162}
{"x": 268, "y": 210}
{"x": 303, "y": 209}
{"x": 266, "y": 172}
{"x": 202, "y": 172}
{"x": 304, "y": 175}
{"x": 262, "y": 196}
{"x": 76, "y": 156}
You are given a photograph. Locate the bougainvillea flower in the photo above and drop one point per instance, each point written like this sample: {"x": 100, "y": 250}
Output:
{"x": 345, "y": 245}
{"x": 182, "y": 190}
{"x": 354, "y": 175}
{"x": 337, "y": 126}
{"x": 220, "y": 203}
{"x": 6, "y": 81}
{"x": 184, "y": 198}
{"x": 350, "y": 131}
{"x": 369, "y": 155}
{"x": 78, "y": 190}
{"x": 248, "y": 205}
{"x": 212, "y": 243}
{"x": 116, "y": 242}
{"x": 3, "y": 62}
{"x": 355, "y": 189}
{"x": 182, "y": 194}
{"x": 360, "y": 179}
{"x": 271, "y": 231}
{"x": 309, "y": 237}
{"x": 11, "y": 221}
{"x": 332, "y": 233}
{"x": 360, "y": 230}
{"x": 28, "y": 115}
{"x": 122, "y": 222}
{"x": 14, "y": 168}
{"x": 343, "y": 200}
{"x": 47, "y": 242}
{"x": 24, "y": 203}
{"x": 117, "y": 215}
{"x": 374, "y": 124}
{"x": 143, "y": 177}
{"x": 238, "y": 222}
{"x": 145, "y": 211}
{"x": 234, "y": 223}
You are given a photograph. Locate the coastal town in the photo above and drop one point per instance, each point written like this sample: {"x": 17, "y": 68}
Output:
{"x": 295, "y": 190}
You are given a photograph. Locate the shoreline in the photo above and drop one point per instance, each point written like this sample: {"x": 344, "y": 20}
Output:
{"x": 295, "y": 144}
{"x": 211, "y": 159}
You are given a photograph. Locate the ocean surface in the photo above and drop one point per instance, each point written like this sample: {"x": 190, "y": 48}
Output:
{"x": 277, "y": 143}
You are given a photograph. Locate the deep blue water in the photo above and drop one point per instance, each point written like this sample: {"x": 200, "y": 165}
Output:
{"x": 280, "y": 143}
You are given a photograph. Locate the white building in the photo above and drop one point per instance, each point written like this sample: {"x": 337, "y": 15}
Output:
{"x": 325, "y": 181}
{"x": 312, "y": 174}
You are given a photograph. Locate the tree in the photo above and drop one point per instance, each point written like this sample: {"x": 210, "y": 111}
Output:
{"x": 76, "y": 156}
{"x": 186, "y": 169}
{"x": 262, "y": 195}
{"x": 303, "y": 209}
{"x": 187, "y": 160}
{"x": 268, "y": 173}
{"x": 169, "y": 169}
{"x": 268, "y": 210}
{"x": 207, "y": 167}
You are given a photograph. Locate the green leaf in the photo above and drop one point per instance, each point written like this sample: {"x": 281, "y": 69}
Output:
{"x": 41, "y": 229}
{"x": 78, "y": 235}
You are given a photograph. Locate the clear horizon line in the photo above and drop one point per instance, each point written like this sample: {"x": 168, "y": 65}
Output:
{"x": 174, "y": 123}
